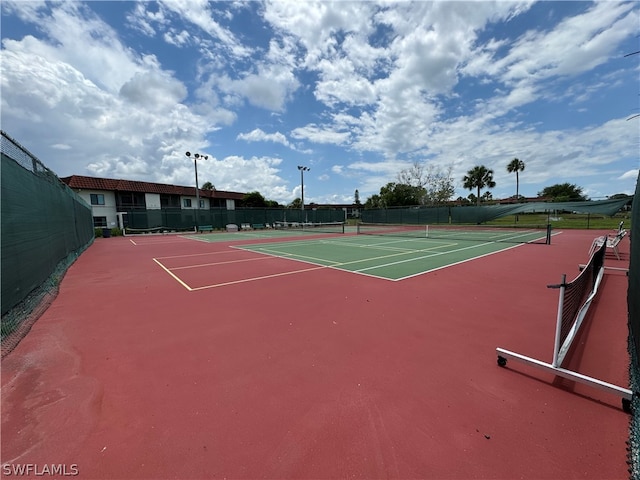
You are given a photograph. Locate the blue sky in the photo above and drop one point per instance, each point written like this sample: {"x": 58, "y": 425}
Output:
{"x": 356, "y": 91}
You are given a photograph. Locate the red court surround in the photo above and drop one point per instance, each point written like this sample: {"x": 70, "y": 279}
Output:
{"x": 317, "y": 375}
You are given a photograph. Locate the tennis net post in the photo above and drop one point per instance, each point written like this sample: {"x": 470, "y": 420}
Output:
{"x": 556, "y": 344}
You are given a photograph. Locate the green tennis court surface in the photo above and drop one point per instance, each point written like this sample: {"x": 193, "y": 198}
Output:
{"x": 385, "y": 257}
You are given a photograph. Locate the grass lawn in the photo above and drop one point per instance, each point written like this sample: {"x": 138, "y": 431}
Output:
{"x": 567, "y": 220}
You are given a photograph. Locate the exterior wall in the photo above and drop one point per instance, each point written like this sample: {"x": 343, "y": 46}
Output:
{"x": 107, "y": 210}
{"x": 152, "y": 201}
{"x": 205, "y": 205}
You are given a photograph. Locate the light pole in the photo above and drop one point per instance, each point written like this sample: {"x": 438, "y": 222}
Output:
{"x": 302, "y": 170}
{"x": 197, "y": 156}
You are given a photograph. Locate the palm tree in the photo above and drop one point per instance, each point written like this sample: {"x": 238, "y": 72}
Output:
{"x": 516, "y": 165}
{"x": 479, "y": 177}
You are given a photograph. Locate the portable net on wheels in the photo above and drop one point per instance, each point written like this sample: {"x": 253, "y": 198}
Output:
{"x": 573, "y": 304}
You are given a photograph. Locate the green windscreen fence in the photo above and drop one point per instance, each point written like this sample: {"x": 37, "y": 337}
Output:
{"x": 178, "y": 219}
{"x": 423, "y": 215}
{"x": 633, "y": 302}
{"x": 44, "y": 225}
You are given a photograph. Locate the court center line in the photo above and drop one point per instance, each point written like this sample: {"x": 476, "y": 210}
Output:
{"x": 457, "y": 263}
{"x": 342, "y": 264}
{"x": 381, "y": 246}
{"x": 279, "y": 254}
{"x": 333, "y": 264}
{"x": 433, "y": 255}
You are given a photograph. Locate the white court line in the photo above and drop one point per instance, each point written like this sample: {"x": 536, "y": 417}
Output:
{"x": 435, "y": 255}
{"x": 336, "y": 265}
{"x": 279, "y": 254}
{"x": 244, "y": 280}
{"x": 457, "y": 263}
{"x": 287, "y": 255}
{"x": 161, "y": 242}
{"x": 381, "y": 246}
{"x": 221, "y": 252}
{"x": 219, "y": 263}
{"x": 174, "y": 276}
{"x": 253, "y": 279}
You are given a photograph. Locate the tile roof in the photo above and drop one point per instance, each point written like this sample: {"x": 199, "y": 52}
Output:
{"x": 94, "y": 183}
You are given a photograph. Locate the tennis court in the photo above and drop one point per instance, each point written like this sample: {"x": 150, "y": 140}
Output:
{"x": 385, "y": 257}
{"x": 316, "y": 356}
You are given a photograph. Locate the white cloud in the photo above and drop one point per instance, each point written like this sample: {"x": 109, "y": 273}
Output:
{"x": 239, "y": 174}
{"x": 257, "y": 135}
{"x": 629, "y": 175}
{"x": 270, "y": 89}
{"x": 366, "y": 87}
{"x": 317, "y": 134}
{"x": 153, "y": 90}
{"x": 199, "y": 13}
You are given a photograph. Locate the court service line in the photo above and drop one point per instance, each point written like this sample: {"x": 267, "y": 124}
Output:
{"x": 220, "y": 263}
{"x": 457, "y": 263}
{"x": 381, "y": 246}
{"x": 174, "y": 276}
{"x": 199, "y": 254}
{"x": 252, "y": 279}
{"x": 337, "y": 265}
{"x": 431, "y": 255}
{"x": 295, "y": 256}
{"x": 161, "y": 241}
{"x": 334, "y": 264}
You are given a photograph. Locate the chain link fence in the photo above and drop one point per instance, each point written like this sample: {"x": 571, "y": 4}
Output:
{"x": 45, "y": 226}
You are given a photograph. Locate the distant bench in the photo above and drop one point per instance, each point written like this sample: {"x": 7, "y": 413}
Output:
{"x": 205, "y": 228}
{"x": 612, "y": 242}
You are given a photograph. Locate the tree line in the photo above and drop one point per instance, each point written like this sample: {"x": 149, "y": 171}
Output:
{"x": 429, "y": 185}
{"x": 420, "y": 185}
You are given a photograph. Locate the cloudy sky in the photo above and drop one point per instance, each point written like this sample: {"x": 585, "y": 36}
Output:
{"x": 356, "y": 91}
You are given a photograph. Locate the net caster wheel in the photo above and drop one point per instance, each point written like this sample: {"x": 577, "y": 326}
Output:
{"x": 502, "y": 362}
{"x": 626, "y": 405}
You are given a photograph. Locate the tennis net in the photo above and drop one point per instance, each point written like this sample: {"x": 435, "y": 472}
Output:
{"x": 128, "y": 231}
{"x": 482, "y": 233}
{"x": 575, "y": 298}
{"x": 574, "y": 301}
{"x": 307, "y": 227}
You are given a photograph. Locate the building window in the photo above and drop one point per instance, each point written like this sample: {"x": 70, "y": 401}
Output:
{"x": 130, "y": 201}
{"x": 187, "y": 203}
{"x": 97, "y": 199}
{"x": 99, "y": 222}
{"x": 201, "y": 203}
{"x": 169, "y": 201}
